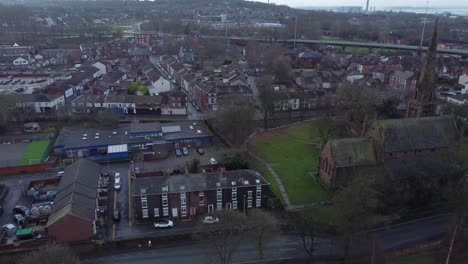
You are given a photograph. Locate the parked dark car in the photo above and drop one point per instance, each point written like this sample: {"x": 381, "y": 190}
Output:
{"x": 21, "y": 209}
{"x": 200, "y": 151}
{"x": 116, "y": 215}
{"x": 178, "y": 153}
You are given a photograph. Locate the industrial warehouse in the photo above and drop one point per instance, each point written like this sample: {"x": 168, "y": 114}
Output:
{"x": 103, "y": 145}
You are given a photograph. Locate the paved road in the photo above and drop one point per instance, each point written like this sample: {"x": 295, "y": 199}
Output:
{"x": 284, "y": 247}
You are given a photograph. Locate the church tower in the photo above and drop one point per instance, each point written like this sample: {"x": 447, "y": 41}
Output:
{"x": 423, "y": 102}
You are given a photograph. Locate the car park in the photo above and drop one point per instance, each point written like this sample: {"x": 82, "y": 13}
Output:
{"x": 178, "y": 152}
{"x": 209, "y": 220}
{"x": 200, "y": 151}
{"x": 163, "y": 224}
{"x": 185, "y": 151}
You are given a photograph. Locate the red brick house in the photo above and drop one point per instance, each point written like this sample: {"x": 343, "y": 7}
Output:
{"x": 388, "y": 147}
{"x": 74, "y": 211}
{"x": 145, "y": 38}
{"x": 189, "y": 195}
{"x": 204, "y": 95}
{"x": 403, "y": 80}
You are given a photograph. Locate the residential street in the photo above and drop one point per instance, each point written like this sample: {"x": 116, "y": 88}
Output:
{"x": 283, "y": 247}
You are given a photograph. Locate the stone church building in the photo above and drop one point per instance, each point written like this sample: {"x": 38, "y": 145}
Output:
{"x": 420, "y": 144}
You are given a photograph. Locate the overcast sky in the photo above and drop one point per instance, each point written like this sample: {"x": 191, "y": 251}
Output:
{"x": 377, "y": 3}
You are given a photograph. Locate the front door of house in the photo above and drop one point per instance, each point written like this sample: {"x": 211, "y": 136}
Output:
{"x": 210, "y": 209}
{"x": 174, "y": 212}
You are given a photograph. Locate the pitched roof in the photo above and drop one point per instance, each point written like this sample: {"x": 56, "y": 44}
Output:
{"x": 349, "y": 152}
{"x": 197, "y": 182}
{"x": 77, "y": 192}
{"x": 410, "y": 134}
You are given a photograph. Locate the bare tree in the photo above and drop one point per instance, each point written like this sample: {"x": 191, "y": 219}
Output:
{"x": 359, "y": 103}
{"x": 263, "y": 229}
{"x": 51, "y": 254}
{"x": 225, "y": 238}
{"x": 235, "y": 119}
{"x": 305, "y": 225}
{"x": 266, "y": 97}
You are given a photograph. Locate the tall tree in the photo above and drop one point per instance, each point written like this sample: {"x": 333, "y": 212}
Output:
{"x": 266, "y": 97}
{"x": 263, "y": 228}
{"x": 227, "y": 238}
{"x": 305, "y": 226}
{"x": 356, "y": 209}
{"x": 358, "y": 103}
{"x": 235, "y": 119}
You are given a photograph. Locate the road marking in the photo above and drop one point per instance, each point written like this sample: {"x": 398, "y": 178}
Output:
{"x": 129, "y": 200}
{"x": 115, "y": 200}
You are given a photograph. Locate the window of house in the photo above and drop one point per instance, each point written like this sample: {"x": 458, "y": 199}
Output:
{"x": 258, "y": 202}
{"x": 183, "y": 210}
{"x": 201, "y": 198}
{"x": 249, "y": 203}
{"x": 144, "y": 204}
{"x": 219, "y": 197}
{"x": 145, "y": 213}
{"x": 156, "y": 212}
{"x": 234, "y": 196}
{"x": 219, "y": 206}
{"x": 183, "y": 201}
{"x": 234, "y": 204}
{"x": 165, "y": 211}
{"x": 259, "y": 193}
{"x": 249, "y": 195}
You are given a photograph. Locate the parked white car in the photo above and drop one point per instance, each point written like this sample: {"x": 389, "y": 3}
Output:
{"x": 213, "y": 161}
{"x": 209, "y": 220}
{"x": 117, "y": 184}
{"x": 163, "y": 224}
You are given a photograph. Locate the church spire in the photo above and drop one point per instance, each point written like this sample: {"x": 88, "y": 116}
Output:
{"x": 423, "y": 101}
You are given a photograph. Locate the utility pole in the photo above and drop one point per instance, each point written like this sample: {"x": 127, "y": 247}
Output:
{"x": 295, "y": 32}
{"x": 424, "y": 25}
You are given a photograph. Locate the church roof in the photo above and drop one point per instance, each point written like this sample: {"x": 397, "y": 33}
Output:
{"x": 349, "y": 152}
{"x": 412, "y": 134}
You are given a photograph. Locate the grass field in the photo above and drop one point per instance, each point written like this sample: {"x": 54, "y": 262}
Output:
{"x": 35, "y": 152}
{"x": 294, "y": 156}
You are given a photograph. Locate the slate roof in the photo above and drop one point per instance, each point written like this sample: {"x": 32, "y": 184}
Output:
{"x": 410, "y": 134}
{"x": 77, "y": 192}
{"x": 431, "y": 164}
{"x": 197, "y": 182}
{"x": 349, "y": 152}
{"x": 403, "y": 75}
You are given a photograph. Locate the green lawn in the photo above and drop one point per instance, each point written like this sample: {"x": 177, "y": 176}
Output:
{"x": 294, "y": 157}
{"x": 415, "y": 259}
{"x": 35, "y": 152}
{"x": 273, "y": 184}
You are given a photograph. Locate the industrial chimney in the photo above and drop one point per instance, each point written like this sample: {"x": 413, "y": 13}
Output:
{"x": 367, "y": 7}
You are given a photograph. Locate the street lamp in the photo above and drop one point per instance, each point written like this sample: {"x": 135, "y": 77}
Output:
{"x": 244, "y": 203}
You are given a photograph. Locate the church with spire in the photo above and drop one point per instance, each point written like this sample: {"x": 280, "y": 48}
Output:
{"x": 423, "y": 103}
{"x": 420, "y": 144}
